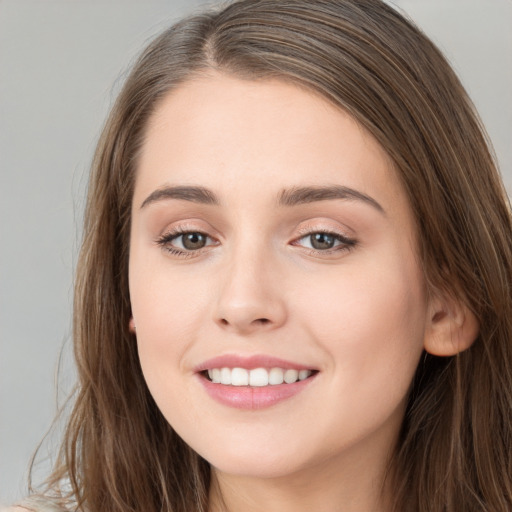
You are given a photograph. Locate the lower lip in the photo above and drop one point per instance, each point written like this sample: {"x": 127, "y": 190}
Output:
{"x": 246, "y": 397}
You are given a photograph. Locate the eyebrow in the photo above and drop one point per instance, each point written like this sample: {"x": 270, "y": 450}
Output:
{"x": 185, "y": 193}
{"x": 288, "y": 197}
{"x": 303, "y": 195}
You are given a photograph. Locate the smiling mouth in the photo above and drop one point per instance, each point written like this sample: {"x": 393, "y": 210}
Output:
{"x": 257, "y": 377}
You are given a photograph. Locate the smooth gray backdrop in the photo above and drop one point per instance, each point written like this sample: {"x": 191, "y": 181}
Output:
{"x": 61, "y": 63}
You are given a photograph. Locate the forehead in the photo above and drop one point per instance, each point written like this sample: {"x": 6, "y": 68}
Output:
{"x": 226, "y": 133}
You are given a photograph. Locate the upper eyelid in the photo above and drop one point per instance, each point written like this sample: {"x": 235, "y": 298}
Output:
{"x": 172, "y": 234}
{"x": 299, "y": 232}
{"x": 178, "y": 228}
{"x": 309, "y": 230}
{"x": 344, "y": 233}
{"x": 334, "y": 234}
{"x": 294, "y": 225}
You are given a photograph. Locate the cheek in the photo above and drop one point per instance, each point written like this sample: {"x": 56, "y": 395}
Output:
{"x": 370, "y": 324}
{"x": 167, "y": 315}
{"x": 371, "y": 321}
{"x": 167, "y": 308}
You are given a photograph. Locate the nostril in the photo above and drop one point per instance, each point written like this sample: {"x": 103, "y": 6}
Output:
{"x": 245, "y": 322}
{"x": 261, "y": 321}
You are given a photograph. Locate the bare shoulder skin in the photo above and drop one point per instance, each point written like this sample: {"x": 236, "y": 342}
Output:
{"x": 34, "y": 504}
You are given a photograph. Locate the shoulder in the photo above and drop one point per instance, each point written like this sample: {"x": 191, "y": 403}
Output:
{"x": 34, "y": 504}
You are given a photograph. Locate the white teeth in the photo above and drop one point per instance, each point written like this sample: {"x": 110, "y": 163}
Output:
{"x": 225, "y": 376}
{"x": 275, "y": 376}
{"x": 304, "y": 374}
{"x": 214, "y": 375}
{"x": 239, "y": 377}
{"x": 291, "y": 376}
{"x": 258, "y": 377}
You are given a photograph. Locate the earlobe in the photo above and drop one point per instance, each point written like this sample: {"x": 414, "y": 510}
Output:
{"x": 131, "y": 325}
{"x": 451, "y": 327}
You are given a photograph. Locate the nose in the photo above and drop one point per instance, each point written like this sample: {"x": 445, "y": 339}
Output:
{"x": 250, "y": 296}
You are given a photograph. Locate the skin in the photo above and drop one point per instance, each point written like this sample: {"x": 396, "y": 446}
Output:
{"x": 357, "y": 313}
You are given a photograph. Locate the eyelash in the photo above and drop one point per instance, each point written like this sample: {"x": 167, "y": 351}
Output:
{"x": 346, "y": 244}
{"x": 165, "y": 240}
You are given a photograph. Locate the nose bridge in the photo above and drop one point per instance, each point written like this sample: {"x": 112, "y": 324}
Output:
{"x": 249, "y": 297}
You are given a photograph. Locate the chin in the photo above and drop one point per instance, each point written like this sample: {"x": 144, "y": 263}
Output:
{"x": 256, "y": 460}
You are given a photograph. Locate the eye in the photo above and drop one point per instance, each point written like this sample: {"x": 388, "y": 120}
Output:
{"x": 182, "y": 242}
{"x": 322, "y": 241}
{"x": 191, "y": 241}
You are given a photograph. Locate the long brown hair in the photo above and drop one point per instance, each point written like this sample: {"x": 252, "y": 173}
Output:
{"x": 119, "y": 453}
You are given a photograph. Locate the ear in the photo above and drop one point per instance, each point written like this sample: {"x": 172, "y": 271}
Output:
{"x": 131, "y": 325}
{"x": 451, "y": 326}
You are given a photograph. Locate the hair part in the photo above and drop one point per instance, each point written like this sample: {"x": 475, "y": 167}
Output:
{"x": 119, "y": 452}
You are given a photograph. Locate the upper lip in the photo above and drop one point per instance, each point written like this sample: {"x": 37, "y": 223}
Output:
{"x": 249, "y": 362}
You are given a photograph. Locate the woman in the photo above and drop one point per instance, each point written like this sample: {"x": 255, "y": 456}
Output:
{"x": 294, "y": 285}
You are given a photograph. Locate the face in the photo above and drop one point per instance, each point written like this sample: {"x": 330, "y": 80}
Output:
{"x": 279, "y": 306}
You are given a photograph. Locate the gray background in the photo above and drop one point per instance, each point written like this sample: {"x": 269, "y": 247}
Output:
{"x": 61, "y": 63}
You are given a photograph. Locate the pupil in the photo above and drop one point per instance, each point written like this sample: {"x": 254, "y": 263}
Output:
{"x": 322, "y": 241}
{"x": 194, "y": 241}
